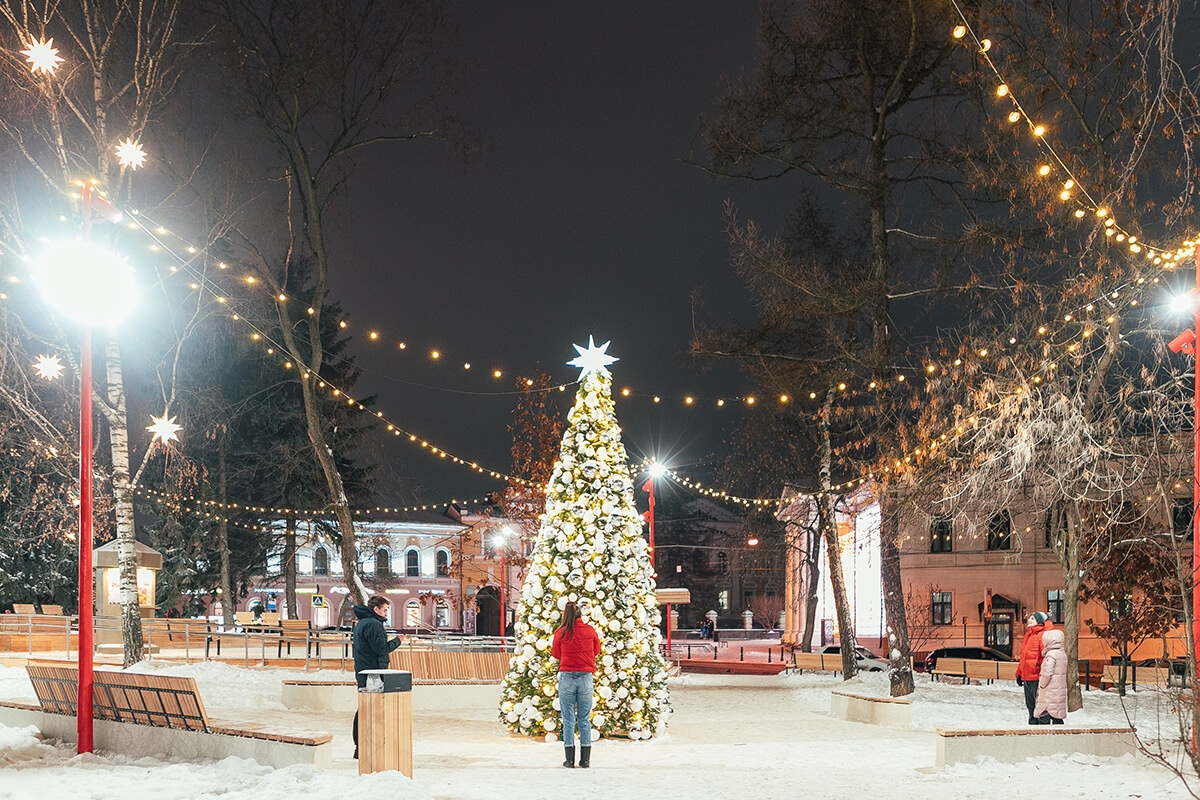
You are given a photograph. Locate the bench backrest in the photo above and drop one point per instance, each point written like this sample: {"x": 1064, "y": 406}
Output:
{"x": 440, "y": 665}
{"x": 53, "y": 611}
{"x": 159, "y": 700}
{"x": 950, "y": 666}
{"x": 819, "y": 661}
{"x": 270, "y": 618}
{"x": 986, "y": 669}
{"x": 294, "y": 630}
{"x": 243, "y": 617}
{"x": 23, "y": 608}
{"x": 1150, "y": 676}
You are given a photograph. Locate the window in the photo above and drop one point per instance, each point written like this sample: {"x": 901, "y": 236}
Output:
{"x": 1054, "y": 605}
{"x": 383, "y": 562}
{"x": 943, "y": 608}
{"x": 1049, "y": 529}
{"x": 999, "y": 534}
{"x": 412, "y": 563}
{"x": 441, "y": 614}
{"x": 443, "y": 563}
{"x": 722, "y": 562}
{"x": 412, "y": 614}
{"x": 941, "y": 534}
{"x": 320, "y": 561}
{"x": 1181, "y": 518}
{"x": 723, "y": 599}
{"x": 1119, "y": 607}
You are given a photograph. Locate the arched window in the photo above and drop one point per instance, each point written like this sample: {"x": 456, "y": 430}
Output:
{"x": 412, "y": 563}
{"x": 383, "y": 562}
{"x": 443, "y": 563}
{"x": 320, "y": 561}
{"x": 412, "y": 614}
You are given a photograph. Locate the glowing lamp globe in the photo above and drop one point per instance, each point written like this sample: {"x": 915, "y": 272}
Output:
{"x": 86, "y": 282}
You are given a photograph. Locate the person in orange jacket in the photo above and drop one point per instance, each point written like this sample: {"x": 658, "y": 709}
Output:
{"x": 1029, "y": 668}
{"x": 576, "y": 646}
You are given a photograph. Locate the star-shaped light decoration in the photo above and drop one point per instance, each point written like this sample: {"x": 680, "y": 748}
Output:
{"x": 130, "y": 153}
{"x": 48, "y": 367}
{"x": 163, "y": 429}
{"x": 42, "y": 57}
{"x": 593, "y": 359}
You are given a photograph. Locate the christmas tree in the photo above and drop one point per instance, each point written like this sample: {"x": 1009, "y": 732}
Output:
{"x": 590, "y": 550}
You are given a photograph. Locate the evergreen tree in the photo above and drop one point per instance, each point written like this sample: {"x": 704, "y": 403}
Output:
{"x": 590, "y": 550}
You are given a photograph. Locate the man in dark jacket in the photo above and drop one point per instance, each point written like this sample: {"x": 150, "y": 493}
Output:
{"x": 371, "y": 645}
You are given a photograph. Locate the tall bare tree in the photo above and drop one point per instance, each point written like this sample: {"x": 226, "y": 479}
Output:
{"x": 324, "y": 80}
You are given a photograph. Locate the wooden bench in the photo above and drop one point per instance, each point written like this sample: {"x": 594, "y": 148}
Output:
{"x": 817, "y": 662}
{"x": 441, "y": 666}
{"x": 987, "y": 670}
{"x": 893, "y": 711}
{"x": 954, "y": 667}
{"x": 1146, "y": 676}
{"x": 1017, "y": 744}
{"x": 165, "y": 702}
{"x": 24, "y": 608}
{"x": 294, "y": 631}
{"x": 52, "y": 611}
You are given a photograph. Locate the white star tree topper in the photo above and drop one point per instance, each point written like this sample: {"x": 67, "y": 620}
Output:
{"x": 48, "y": 367}
{"x": 163, "y": 429}
{"x": 42, "y": 57}
{"x": 130, "y": 154}
{"x": 593, "y": 359}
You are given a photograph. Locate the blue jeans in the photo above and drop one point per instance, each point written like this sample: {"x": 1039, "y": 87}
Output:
{"x": 575, "y": 700}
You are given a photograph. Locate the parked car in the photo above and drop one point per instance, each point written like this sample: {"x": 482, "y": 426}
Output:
{"x": 976, "y": 652}
{"x": 867, "y": 661}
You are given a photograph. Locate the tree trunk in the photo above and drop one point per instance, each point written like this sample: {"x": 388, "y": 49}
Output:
{"x": 289, "y": 569}
{"x": 118, "y": 432}
{"x": 812, "y": 577}
{"x": 899, "y": 653}
{"x": 337, "y": 496}
{"x": 827, "y": 516}
{"x": 1066, "y": 524}
{"x": 227, "y": 587}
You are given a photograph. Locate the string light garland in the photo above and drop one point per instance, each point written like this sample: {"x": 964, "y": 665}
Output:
{"x": 1070, "y": 189}
{"x": 182, "y": 501}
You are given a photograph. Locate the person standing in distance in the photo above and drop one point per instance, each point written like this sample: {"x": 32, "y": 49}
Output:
{"x": 1051, "y": 708}
{"x": 576, "y": 646}
{"x": 371, "y": 645}
{"x": 1030, "y": 666}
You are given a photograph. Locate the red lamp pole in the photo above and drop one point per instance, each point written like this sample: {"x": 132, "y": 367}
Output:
{"x": 1196, "y": 486}
{"x": 84, "y": 727}
{"x": 503, "y": 580}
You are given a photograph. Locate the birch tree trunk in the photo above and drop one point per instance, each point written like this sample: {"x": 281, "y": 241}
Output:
{"x": 899, "y": 655}
{"x": 127, "y": 590}
{"x": 289, "y": 568}
{"x": 812, "y": 577}
{"x": 827, "y": 516}
{"x": 227, "y": 587}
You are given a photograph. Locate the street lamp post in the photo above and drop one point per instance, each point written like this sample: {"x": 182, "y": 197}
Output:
{"x": 656, "y": 469}
{"x": 93, "y": 286}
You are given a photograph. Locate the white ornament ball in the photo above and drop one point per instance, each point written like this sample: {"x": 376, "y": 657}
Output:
{"x": 551, "y": 738}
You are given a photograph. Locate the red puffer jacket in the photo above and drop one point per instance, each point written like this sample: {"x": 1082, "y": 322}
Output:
{"x": 1030, "y": 666}
{"x": 577, "y": 652}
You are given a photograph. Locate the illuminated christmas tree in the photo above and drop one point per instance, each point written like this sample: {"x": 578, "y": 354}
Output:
{"x": 590, "y": 550}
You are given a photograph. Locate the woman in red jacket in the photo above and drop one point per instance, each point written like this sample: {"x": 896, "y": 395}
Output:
{"x": 576, "y": 646}
{"x": 1030, "y": 666}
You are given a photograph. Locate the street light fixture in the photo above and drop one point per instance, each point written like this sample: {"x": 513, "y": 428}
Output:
{"x": 94, "y": 287}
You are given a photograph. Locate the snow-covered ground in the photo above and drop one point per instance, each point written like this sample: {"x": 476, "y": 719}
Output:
{"x": 730, "y": 737}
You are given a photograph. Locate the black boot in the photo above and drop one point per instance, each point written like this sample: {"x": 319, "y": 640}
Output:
{"x": 585, "y": 755}
{"x": 570, "y": 762}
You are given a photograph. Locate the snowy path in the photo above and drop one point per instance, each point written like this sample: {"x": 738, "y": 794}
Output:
{"x": 730, "y": 737}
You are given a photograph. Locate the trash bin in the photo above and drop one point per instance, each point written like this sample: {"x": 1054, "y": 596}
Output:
{"x": 385, "y": 721}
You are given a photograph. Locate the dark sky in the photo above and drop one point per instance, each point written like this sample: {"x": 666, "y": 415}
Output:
{"x": 582, "y": 217}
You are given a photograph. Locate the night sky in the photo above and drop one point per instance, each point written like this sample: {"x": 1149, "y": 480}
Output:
{"x": 583, "y": 216}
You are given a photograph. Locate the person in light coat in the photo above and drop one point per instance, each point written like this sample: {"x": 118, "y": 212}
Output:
{"x": 1051, "y": 707}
